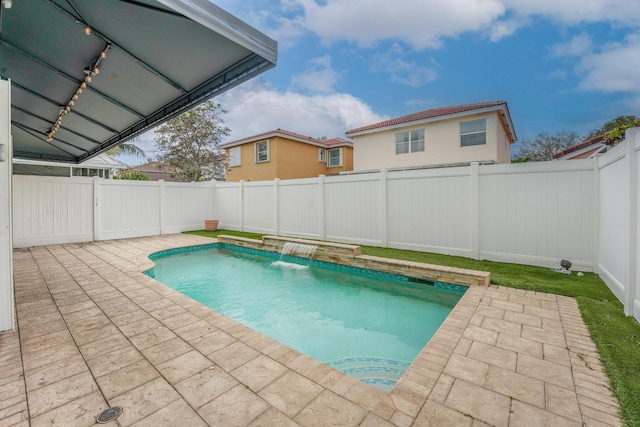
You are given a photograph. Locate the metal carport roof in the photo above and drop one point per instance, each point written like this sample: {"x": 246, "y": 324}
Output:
{"x": 147, "y": 61}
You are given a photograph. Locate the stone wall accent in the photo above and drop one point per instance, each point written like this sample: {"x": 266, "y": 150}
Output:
{"x": 351, "y": 255}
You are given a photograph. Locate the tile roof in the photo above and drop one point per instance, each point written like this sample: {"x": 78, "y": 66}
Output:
{"x": 288, "y": 134}
{"x": 596, "y": 139}
{"x": 157, "y": 171}
{"x": 429, "y": 114}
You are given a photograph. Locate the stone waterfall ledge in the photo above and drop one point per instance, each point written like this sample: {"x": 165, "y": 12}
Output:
{"x": 350, "y": 255}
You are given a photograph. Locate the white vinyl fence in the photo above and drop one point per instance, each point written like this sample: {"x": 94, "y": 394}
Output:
{"x": 50, "y": 210}
{"x": 585, "y": 211}
{"x": 537, "y": 213}
{"x": 618, "y": 221}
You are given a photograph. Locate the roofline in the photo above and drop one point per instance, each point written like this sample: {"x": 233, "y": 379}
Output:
{"x": 488, "y": 109}
{"x": 586, "y": 143}
{"x": 215, "y": 18}
{"x": 284, "y": 134}
{"x": 84, "y": 164}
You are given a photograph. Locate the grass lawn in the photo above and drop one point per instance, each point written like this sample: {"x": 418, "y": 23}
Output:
{"x": 616, "y": 336}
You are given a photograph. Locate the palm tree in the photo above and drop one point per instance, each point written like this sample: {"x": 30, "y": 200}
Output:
{"x": 127, "y": 149}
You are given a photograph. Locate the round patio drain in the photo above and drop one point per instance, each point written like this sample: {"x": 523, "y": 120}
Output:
{"x": 109, "y": 414}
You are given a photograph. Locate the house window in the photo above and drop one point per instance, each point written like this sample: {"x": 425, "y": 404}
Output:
{"x": 335, "y": 158}
{"x": 235, "y": 155}
{"x": 473, "y": 132}
{"x": 411, "y": 141}
{"x": 262, "y": 151}
{"x": 322, "y": 155}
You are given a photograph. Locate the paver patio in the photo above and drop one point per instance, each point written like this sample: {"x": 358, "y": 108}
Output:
{"x": 94, "y": 332}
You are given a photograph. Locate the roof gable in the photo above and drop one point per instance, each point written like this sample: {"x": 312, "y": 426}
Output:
{"x": 589, "y": 145}
{"x": 326, "y": 143}
{"x": 441, "y": 113}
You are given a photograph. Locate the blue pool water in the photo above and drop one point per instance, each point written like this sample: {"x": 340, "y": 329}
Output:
{"x": 367, "y": 324}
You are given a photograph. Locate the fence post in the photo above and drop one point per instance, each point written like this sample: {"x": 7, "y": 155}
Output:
{"x": 632, "y": 225}
{"x": 162, "y": 207}
{"x": 214, "y": 209}
{"x": 242, "y": 205}
{"x": 323, "y": 230}
{"x": 474, "y": 179}
{"x": 596, "y": 213}
{"x": 96, "y": 208}
{"x": 384, "y": 221}
{"x": 276, "y": 205}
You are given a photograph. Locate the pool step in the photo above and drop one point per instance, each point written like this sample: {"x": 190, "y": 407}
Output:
{"x": 379, "y": 372}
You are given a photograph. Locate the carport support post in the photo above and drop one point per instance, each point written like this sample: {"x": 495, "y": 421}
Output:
{"x": 7, "y": 308}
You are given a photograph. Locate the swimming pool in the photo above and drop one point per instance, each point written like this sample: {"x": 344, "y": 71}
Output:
{"x": 367, "y": 324}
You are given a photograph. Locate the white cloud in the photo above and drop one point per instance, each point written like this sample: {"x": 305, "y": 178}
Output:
{"x": 255, "y": 108}
{"x": 577, "y": 46}
{"x": 621, "y": 12}
{"x": 426, "y": 23}
{"x": 558, "y": 75}
{"x": 421, "y": 24}
{"x": 319, "y": 77}
{"x": 614, "y": 68}
{"x": 407, "y": 73}
{"x": 505, "y": 28}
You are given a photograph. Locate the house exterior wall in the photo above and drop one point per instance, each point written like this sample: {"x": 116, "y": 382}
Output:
{"x": 288, "y": 159}
{"x": 376, "y": 150}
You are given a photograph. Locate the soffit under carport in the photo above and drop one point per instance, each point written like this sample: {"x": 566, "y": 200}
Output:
{"x": 162, "y": 58}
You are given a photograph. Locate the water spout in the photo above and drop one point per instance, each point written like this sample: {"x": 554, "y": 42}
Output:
{"x": 298, "y": 249}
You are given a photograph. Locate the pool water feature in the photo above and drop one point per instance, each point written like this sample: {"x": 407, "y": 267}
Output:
{"x": 295, "y": 249}
{"x": 367, "y": 324}
{"x": 299, "y": 249}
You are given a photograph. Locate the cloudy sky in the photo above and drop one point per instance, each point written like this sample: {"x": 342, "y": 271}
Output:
{"x": 560, "y": 64}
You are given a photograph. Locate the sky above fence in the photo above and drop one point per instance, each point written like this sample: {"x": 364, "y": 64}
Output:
{"x": 561, "y": 65}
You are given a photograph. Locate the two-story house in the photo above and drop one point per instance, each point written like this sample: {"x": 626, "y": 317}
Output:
{"x": 447, "y": 135}
{"x": 286, "y": 155}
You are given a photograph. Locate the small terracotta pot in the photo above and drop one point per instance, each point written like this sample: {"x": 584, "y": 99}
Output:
{"x": 211, "y": 224}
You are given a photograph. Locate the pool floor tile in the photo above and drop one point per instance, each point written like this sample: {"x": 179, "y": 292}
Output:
{"x": 93, "y": 327}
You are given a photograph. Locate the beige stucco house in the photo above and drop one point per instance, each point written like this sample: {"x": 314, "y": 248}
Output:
{"x": 458, "y": 134}
{"x": 286, "y": 155}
